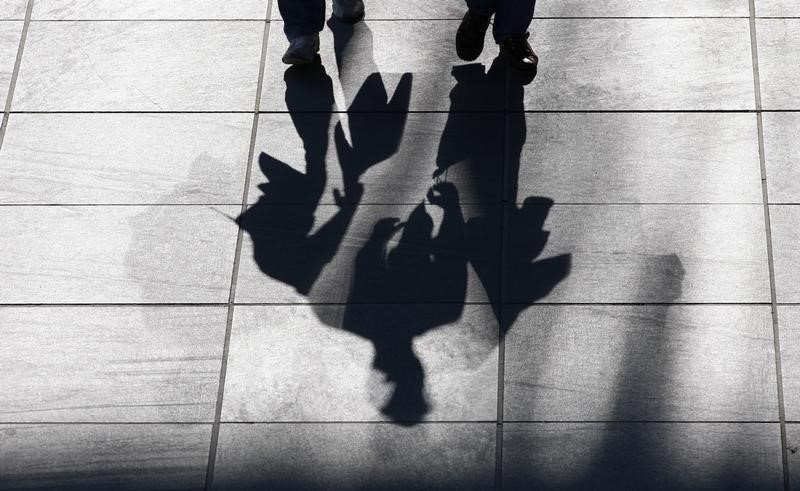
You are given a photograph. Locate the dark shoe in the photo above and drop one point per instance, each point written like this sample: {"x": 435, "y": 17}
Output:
{"x": 470, "y": 35}
{"x": 302, "y": 50}
{"x": 519, "y": 53}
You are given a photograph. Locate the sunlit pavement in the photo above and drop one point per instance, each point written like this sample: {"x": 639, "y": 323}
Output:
{"x": 393, "y": 269}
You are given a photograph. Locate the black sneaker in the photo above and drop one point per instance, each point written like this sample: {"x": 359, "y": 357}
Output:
{"x": 470, "y": 35}
{"x": 519, "y": 53}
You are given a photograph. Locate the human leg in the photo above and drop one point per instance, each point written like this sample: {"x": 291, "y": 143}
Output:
{"x": 482, "y": 7}
{"x": 302, "y": 22}
{"x": 472, "y": 31}
{"x": 511, "y": 22}
{"x": 302, "y": 17}
{"x": 512, "y": 17}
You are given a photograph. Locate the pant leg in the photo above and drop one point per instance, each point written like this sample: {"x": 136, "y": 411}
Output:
{"x": 302, "y": 17}
{"x": 512, "y": 17}
{"x": 482, "y": 7}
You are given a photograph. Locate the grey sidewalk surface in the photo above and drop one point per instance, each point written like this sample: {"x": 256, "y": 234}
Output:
{"x": 398, "y": 270}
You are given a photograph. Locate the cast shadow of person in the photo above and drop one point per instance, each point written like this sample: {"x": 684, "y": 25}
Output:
{"x": 280, "y": 224}
{"x": 420, "y": 283}
{"x": 415, "y": 282}
{"x": 426, "y": 275}
{"x": 525, "y": 278}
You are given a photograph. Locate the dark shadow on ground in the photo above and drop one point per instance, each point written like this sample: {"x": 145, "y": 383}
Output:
{"x": 406, "y": 262}
{"x": 525, "y": 279}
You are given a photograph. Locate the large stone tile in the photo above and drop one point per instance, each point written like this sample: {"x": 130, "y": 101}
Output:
{"x": 123, "y": 457}
{"x": 638, "y": 158}
{"x": 785, "y": 237}
{"x": 642, "y": 456}
{"x": 782, "y": 154}
{"x": 355, "y": 456}
{"x": 777, "y": 8}
{"x": 149, "y": 9}
{"x": 124, "y": 158}
{"x": 793, "y": 446}
{"x": 140, "y": 66}
{"x": 395, "y": 156}
{"x": 635, "y": 363}
{"x": 778, "y": 49}
{"x": 13, "y": 9}
{"x": 110, "y": 364}
{"x": 332, "y": 254}
{"x": 655, "y": 64}
{"x": 636, "y": 253}
{"x": 362, "y": 363}
{"x": 375, "y": 72}
{"x": 647, "y": 8}
{"x": 101, "y": 254}
{"x": 789, "y": 324}
{"x": 9, "y": 45}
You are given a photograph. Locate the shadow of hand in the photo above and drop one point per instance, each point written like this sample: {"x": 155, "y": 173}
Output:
{"x": 370, "y": 147}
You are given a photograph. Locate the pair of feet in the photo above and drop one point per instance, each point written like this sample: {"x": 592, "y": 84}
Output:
{"x": 303, "y": 49}
{"x": 469, "y": 39}
{"x": 472, "y": 32}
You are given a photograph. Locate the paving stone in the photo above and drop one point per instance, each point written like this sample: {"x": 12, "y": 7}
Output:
{"x": 778, "y": 48}
{"x": 793, "y": 445}
{"x": 332, "y": 254}
{"x": 394, "y": 156}
{"x": 362, "y": 363}
{"x": 640, "y": 363}
{"x": 636, "y": 158}
{"x": 9, "y": 45}
{"x": 124, "y": 158}
{"x": 642, "y": 456}
{"x": 140, "y": 66}
{"x": 636, "y": 253}
{"x": 110, "y": 254}
{"x": 777, "y": 8}
{"x": 124, "y": 457}
{"x": 785, "y": 236}
{"x": 355, "y": 456}
{"x": 377, "y": 73}
{"x": 121, "y": 364}
{"x": 648, "y": 8}
{"x": 13, "y": 9}
{"x": 149, "y": 9}
{"x": 782, "y": 152}
{"x": 641, "y": 64}
{"x": 789, "y": 328}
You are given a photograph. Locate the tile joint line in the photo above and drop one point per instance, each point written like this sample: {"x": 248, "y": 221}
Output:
{"x": 770, "y": 254}
{"x": 212, "y": 454}
{"x": 501, "y": 347}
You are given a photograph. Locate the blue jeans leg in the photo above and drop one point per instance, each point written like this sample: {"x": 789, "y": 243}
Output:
{"x": 302, "y": 17}
{"x": 483, "y": 7}
{"x": 512, "y": 17}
